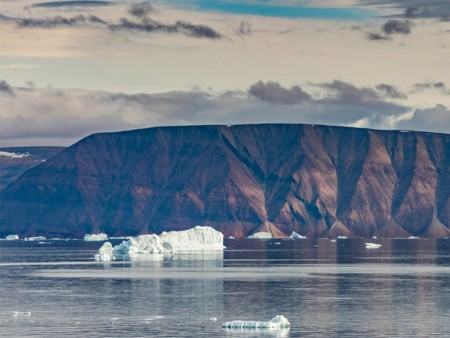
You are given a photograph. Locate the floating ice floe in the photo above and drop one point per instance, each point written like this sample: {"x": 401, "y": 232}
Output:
{"x": 12, "y": 237}
{"x": 372, "y": 245}
{"x": 295, "y": 235}
{"x": 36, "y": 238}
{"x": 261, "y": 235}
{"x": 196, "y": 239}
{"x": 277, "y": 322}
{"x": 96, "y": 237}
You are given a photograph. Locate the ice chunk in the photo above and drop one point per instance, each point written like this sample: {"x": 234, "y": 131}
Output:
{"x": 372, "y": 245}
{"x": 96, "y": 237}
{"x": 36, "y": 238}
{"x": 12, "y": 237}
{"x": 261, "y": 235}
{"x": 105, "y": 253}
{"x": 295, "y": 235}
{"x": 276, "y": 322}
{"x": 197, "y": 238}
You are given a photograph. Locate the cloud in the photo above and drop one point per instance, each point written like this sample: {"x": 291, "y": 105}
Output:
{"x": 435, "y": 119}
{"x": 83, "y": 3}
{"x": 47, "y": 116}
{"x": 58, "y": 21}
{"x": 376, "y": 36}
{"x": 273, "y": 92}
{"x": 5, "y": 88}
{"x": 390, "y": 91}
{"x": 396, "y": 27}
{"x": 439, "y": 86}
{"x": 389, "y": 28}
{"x": 151, "y": 26}
{"x": 415, "y": 8}
{"x": 141, "y": 10}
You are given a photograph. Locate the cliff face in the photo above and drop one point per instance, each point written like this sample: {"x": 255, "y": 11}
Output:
{"x": 15, "y": 161}
{"x": 315, "y": 180}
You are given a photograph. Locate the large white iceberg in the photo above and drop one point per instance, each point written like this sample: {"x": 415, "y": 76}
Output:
{"x": 277, "y": 322}
{"x": 261, "y": 235}
{"x": 96, "y": 237}
{"x": 12, "y": 237}
{"x": 196, "y": 239}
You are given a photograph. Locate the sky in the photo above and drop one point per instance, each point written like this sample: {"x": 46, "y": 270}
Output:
{"x": 72, "y": 68}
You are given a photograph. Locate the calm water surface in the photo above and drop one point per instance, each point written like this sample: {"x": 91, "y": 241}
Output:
{"x": 325, "y": 289}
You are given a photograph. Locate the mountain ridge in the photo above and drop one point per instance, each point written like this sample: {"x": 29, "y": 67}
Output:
{"x": 318, "y": 181}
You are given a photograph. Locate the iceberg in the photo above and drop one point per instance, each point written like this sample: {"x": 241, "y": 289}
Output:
{"x": 196, "y": 239}
{"x": 12, "y": 237}
{"x": 95, "y": 237}
{"x": 295, "y": 235}
{"x": 105, "y": 253}
{"x": 372, "y": 245}
{"x": 36, "y": 238}
{"x": 277, "y": 322}
{"x": 261, "y": 235}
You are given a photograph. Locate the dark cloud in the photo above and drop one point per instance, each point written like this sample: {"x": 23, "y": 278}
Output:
{"x": 349, "y": 93}
{"x": 58, "y": 21}
{"x": 390, "y": 91}
{"x": 141, "y": 10}
{"x": 273, "y": 92}
{"x": 5, "y": 88}
{"x": 396, "y": 27}
{"x": 151, "y": 26}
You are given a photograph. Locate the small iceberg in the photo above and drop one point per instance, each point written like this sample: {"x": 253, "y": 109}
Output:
{"x": 277, "y": 322}
{"x": 36, "y": 238}
{"x": 196, "y": 239}
{"x": 295, "y": 235}
{"x": 261, "y": 235}
{"x": 105, "y": 253}
{"x": 12, "y": 237}
{"x": 372, "y": 245}
{"x": 95, "y": 237}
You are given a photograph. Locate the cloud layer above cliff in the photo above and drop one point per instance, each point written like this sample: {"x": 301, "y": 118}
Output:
{"x": 367, "y": 63}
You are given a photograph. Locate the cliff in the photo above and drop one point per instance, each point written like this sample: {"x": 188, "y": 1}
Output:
{"x": 318, "y": 181}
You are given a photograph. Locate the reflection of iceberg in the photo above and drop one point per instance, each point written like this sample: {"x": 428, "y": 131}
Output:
{"x": 95, "y": 237}
{"x": 276, "y": 322}
{"x": 12, "y": 237}
{"x": 295, "y": 235}
{"x": 261, "y": 235}
{"x": 372, "y": 245}
{"x": 196, "y": 239}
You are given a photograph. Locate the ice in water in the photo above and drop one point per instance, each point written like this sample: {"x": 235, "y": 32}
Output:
{"x": 277, "y": 322}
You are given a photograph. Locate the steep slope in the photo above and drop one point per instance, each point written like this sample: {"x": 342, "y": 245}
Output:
{"x": 15, "y": 161}
{"x": 315, "y": 180}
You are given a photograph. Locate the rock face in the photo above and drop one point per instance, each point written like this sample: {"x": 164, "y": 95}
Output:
{"x": 15, "y": 161}
{"x": 315, "y": 180}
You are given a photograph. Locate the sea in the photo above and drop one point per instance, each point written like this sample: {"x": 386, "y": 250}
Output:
{"x": 325, "y": 288}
